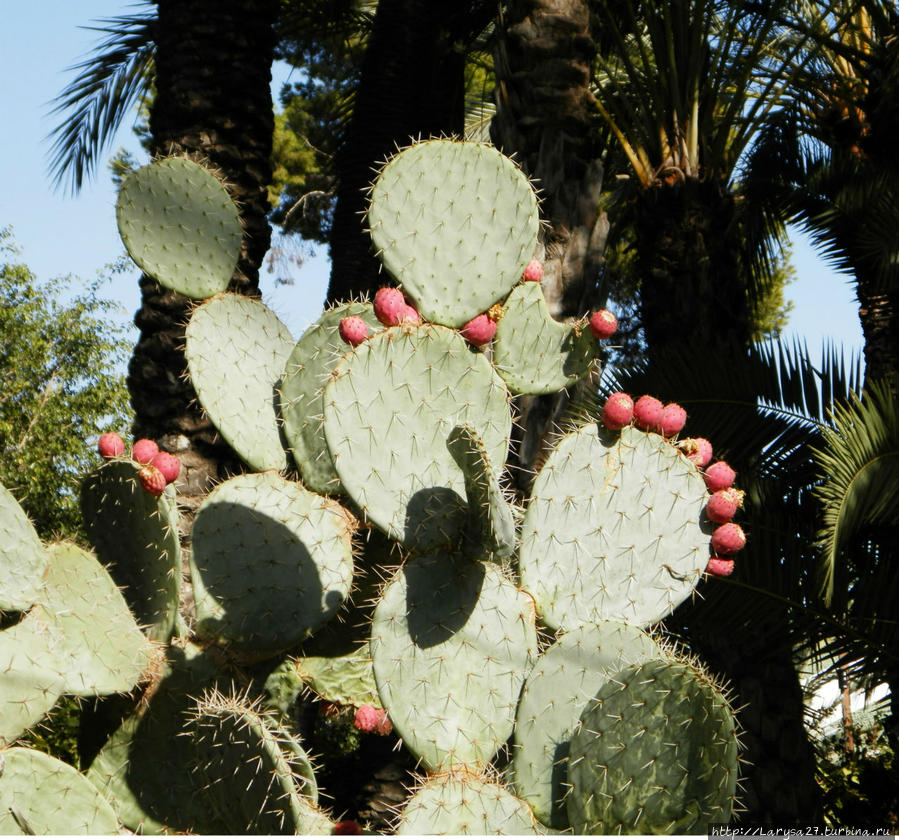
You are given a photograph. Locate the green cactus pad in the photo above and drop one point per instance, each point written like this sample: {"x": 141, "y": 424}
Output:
{"x": 656, "y": 753}
{"x": 236, "y": 352}
{"x": 306, "y": 374}
{"x": 42, "y": 795}
{"x": 614, "y": 530}
{"x": 254, "y": 776}
{"x": 28, "y": 690}
{"x": 491, "y": 522}
{"x": 135, "y": 535}
{"x": 271, "y": 561}
{"x": 180, "y": 226}
{"x": 456, "y": 224}
{"x": 535, "y": 354}
{"x": 389, "y": 408}
{"x": 464, "y": 805}
{"x": 565, "y": 677}
{"x": 452, "y": 641}
{"x": 22, "y": 556}
{"x": 348, "y": 680}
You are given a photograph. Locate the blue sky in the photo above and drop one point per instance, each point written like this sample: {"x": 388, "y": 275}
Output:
{"x": 60, "y": 234}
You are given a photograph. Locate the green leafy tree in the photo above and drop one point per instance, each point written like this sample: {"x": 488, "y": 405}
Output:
{"x": 60, "y": 389}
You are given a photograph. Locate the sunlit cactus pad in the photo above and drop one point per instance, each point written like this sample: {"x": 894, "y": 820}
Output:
{"x": 42, "y": 795}
{"x": 348, "y": 680}
{"x": 135, "y": 535}
{"x": 389, "y": 409}
{"x": 22, "y": 556}
{"x": 456, "y": 224}
{"x": 180, "y": 226}
{"x": 464, "y": 805}
{"x": 28, "y": 689}
{"x": 614, "y": 529}
{"x": 656, "y": 753}
{"x": 271, "y": 561}
{"x": 565, "y": 677}
{"x": 535, "y": 354}
{"x": 305, "y": 375}
{"x": 452, "y": 642}
{"x": 237, "y": 349}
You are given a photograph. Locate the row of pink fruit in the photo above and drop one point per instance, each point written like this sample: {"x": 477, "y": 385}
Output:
{"x": 649, "y": 414}
{"x": 157, "y": 468}
{"x": 392, "y": 309}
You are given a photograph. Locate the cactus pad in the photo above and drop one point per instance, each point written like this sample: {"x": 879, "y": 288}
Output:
{"x": 455, "y": 224}
{"x": 656, "y": 753}
{"x": 180, "y": 226}
{"x": 535, "y": 354}
{"x": 565, "y": 677}
{"x": 614, "y": 529}
{"x": 307, "y": 371}
{"x": 22, "y": 556}
{"x": 452, "y": 642}
{"x": 28, "y": 690}
{"x": 271, "y": 561}
{"x": 389, "y": 408}
{"x": 348, "y": 680}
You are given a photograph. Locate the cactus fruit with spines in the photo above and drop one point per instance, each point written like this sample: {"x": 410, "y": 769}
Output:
{"x": 405, "y": 435}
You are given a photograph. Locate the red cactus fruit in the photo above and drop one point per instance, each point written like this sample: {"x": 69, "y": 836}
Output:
{"x": 479, "y": 330}
{"x": 534, "y": 271}
{"x": 648, "y": 412}
{"x": 384, "y": 726}
{"x": 719, "y": 566}
{"x": 110, "y": 445}
{"x": 366, "y": 719}
{"x": 698, "y": 450}
{"x": 410, "y": 315}
{"x": 390, "y": 306}
{"x": 151, "y": 479}
{"x": 719, "y": 476}
{"x": 728, "y": 539}
{"x": 168, "y": 465}
{"x": 618, "y": 411}
{"x": 347, "y": 827}
{"x": 144, "y": 451}
{"x": 672, "y": 419}
{"x": 353, "y": 330}
{"x": 723, "y": 504}
{"x": 603, "y": 324}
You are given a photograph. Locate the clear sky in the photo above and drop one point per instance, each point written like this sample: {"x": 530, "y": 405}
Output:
{"x": 61, "y": 234}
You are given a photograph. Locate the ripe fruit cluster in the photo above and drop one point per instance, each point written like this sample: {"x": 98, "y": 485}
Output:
{"x": 647, "y": 413}
{"x": 157, "y": 468}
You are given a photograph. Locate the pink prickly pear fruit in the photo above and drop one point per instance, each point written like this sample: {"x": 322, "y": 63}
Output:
{"x": 144, "y": 451}
{"x": 479, "y": 330}
{"x": 168, "y": 465}
{"x": 719, "y": 476}
{"x": 384, "y": 726}
{"x": 728, "y": 539}
{"x": 366, "y": 718}
{"x": 347, "y": 827}
{"x": 648, "y": 412}
{"x": 410, "y": 315}
{"x": 672, "y": 419}
{"x": 151, "y": 479}
{"x": 603, "y": 324}
{"x": 533, "y": 272}
{"x": 390, "y": 306}
{"x": 719, "y": 566}
{"x": 110, "y": 445}
{"x": 353, "y": 330}
{"x": 618, "y": 411}
{"x": 698, "y": 450}
{"x": 723, "y": 504}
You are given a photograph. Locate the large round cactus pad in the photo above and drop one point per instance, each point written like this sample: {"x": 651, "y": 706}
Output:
{"x": 305, "y": 375}
{"x": 389, "y": 410}
{"x": 656, "y": 753}
{"x": 614, "y": 530}
{"x": 43, "y": 795}
{"x": 452, "y": 642}
{"x": 536, "y": 354}
{"x": 455, "y": 223}
{"x": 564, "y": 678}
{"x": 135, "y": 535}
{"x": 22, "y": 556}
{"x": 271, "y": 561}
{"x": 464, "y": 805}
{"x": 180, "y": 226}
{"x": 236, "y": 352}
{"x": 28, "y": 689}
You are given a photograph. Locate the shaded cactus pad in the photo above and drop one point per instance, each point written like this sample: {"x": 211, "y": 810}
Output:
{"x": 180, "y": 226}
{"x": 614, "y": 529}
{"x": 22, "y": 556}
{"x": 456, "y": 224}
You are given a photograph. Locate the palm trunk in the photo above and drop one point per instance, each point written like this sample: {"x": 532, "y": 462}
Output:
{"x": 879, "y": 316}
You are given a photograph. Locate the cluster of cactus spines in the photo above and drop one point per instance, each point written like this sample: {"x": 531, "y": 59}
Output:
{"x": 400, "y": 424}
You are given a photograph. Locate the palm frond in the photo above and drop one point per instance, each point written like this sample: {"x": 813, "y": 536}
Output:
{"x": 107, "y": 85}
